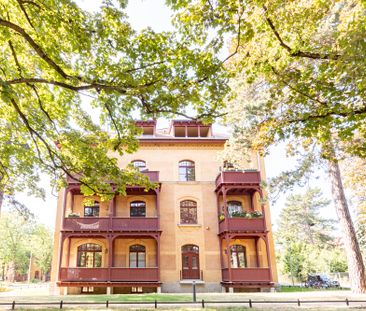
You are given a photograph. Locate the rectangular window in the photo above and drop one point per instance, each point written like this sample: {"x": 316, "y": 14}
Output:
{"x": 136, "y": 289}
{"x": 138, "y": 211}
{"x": 188, "y": 215}
{"x": 91, "y": 211}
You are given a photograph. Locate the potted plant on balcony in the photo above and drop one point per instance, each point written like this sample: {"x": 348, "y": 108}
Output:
{"x": 73, "y": 215}
{"x": 242, "y": 214}
{"x": 256, "y": 214}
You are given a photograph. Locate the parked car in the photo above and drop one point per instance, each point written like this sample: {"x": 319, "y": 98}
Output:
{"x": 320, "y": 281}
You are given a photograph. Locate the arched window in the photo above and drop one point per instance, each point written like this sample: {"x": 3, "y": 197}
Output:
{"x": 234, "y": 208}
{"x": 190, "y": 262}
{"x": 92, "y": 210}
{"x": 89, "y": 255}
{"x": 238, "y": 256}
{"x": 137, "y": 256}
{"x": 188, "y": 212}
{"x": 186, "y": 171}
{"x": 139, "y": 164}
{"x": 137, "y": 209}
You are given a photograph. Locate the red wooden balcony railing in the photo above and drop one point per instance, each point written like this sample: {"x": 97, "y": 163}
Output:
{"x": 238, "y": 177}
{"x": 246, "y": 275}
{"x": 135, "y": 274}
{"x": 153, "y": 177}
{"x": 191, "y": 274}
{"x": 84, "y": 274}
{"x": 115, "y": 224}
{"x": 102, "y": 274}
{"x": 242, "y": 224}
{"x": 135, "y": 224}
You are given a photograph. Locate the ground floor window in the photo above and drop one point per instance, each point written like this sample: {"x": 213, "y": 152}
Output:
{"x": 137, "y": 256}
{"x": 136, "y": 289}
{"x": 238, "y": 256}
{"x": 89, "y": 255}
{"x": 87, "y": 289}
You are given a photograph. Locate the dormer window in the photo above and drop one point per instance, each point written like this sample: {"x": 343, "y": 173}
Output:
{"x": 139, "y": 164}
{"x": 189, "y": 128}
{"x": 148, "y": 127}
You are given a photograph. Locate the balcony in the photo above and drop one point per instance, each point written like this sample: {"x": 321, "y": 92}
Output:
{"x": 248, "y": 275}
{"x": 111, "y": 224}
{"x": 242, "y": 224}
{"x": 116, "y": 275}
{"x": 152, "y": 175}
{"x": 238, "y": 178}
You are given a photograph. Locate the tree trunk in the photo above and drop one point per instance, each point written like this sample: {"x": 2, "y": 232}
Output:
{"x": 356, "y": 268}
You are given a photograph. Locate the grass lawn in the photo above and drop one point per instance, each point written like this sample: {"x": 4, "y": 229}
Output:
{"x": 290, "y": 289}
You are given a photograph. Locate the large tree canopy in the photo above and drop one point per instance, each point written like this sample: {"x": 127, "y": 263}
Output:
{"x": 307, "y": 56}
{"x": 53, "y": 54}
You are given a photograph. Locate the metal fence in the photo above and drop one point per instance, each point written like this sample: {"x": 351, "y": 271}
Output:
{"x": 202, "y": 303}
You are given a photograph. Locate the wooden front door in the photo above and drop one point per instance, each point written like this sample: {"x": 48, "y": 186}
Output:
{"x": 190, "y": 262}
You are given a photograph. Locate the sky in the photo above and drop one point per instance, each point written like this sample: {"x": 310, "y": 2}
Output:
{"x": 153, "y": 13}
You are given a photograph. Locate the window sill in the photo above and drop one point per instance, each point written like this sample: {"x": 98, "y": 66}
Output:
{"x": 189, "y": 225}
{"x": 191, "y": 182}
{"x": 190, "y": 281}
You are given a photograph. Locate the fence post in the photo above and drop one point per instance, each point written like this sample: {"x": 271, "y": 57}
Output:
{"x": 107, "y": 304}
{"x": 61, "y": 304}
{"x": 13, "y": 305}
{"x": 156, "y": 304}
{"x": 250, "y": 303}
{"x": 203, "y": 303}
{"x": 194, "y": 290}
{"x": 347, "y": 302}
{"x": 298, "y": 302}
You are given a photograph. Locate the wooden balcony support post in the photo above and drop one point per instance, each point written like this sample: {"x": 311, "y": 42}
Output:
{"x": 157, "y": 191}
{"x": 227, "y": 239}
{"x": 252, "y": 199}
{"x": 221, "y": 254}
{"x": 256, "y": 251}
{"x": 268, "y": 256}
{"x": 263, "y": 208}
{"x": 66, "y": 191}
{"x": 112, "y": 212}
{"x": 68, "y": 252}
{"x": 158, "y": 255}
{"x": 110, "y": 255}
{"x": 60, "y": 254}
{"x": 226, "y": 213}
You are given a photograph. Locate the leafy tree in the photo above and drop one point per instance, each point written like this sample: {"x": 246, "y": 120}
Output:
{"x": 306, "y": 244}
{"x": 42, "y": 247}
{"x": 14, "y": 243}
{"x": 302, "y": 79}
{"x": 300, "y": 220}
{"x": 54, "y": 56}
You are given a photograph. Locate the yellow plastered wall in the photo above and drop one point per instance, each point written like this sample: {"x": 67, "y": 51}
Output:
{"x": 250, "y": 248}
{"x": 78, "y": 206}
{"x": 75, "y": 243}
{"x": 123, "y": 204}
{"x": 121, "y": 251}
{"x": 245, "y": 200}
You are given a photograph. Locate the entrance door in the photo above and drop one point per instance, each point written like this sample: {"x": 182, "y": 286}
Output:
{"x": 190, "y": 262}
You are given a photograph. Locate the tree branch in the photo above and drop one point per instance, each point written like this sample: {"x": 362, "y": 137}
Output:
{"x": 35, "y": 46}
{"x": 297, "y": 53}
{"x": 25, "y": 12}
